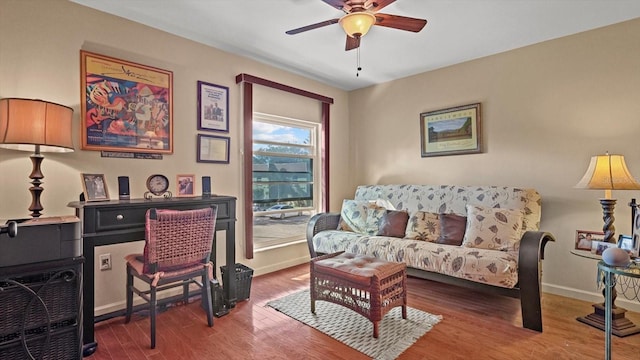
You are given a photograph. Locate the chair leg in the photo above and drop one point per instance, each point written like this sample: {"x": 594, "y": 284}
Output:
{"x": 152, "y": 312}
{"x": 185, "y": 291}
{"x": 129, "y": 293}
{"x": 206, "y": 297}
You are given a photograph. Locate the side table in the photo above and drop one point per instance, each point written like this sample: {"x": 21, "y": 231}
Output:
{"x": 630, "y": 278}
{"x": 620, "y": 326}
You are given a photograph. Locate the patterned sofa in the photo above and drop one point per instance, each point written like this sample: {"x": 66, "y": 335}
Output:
{"x": 500, "y": 249}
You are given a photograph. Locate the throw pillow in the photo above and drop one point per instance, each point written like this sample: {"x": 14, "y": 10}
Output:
{"x": 360, "y": 217}
{"x": 393, "y": 223}
{"x": 423, "y": 226}
{"x": 493, "y": 228}
{"x": 452, "y": 227}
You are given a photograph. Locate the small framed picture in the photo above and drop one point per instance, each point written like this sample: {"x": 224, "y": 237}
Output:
{"x": 94, "y": 187}
{"x": 598, "y": 247}
{"x": 186, "y": 184}
{"x": 213, "y": 107}
{"x": 585, "y": 238}
{"x": 213, "y": 149}
{"x": 625, "y": 242}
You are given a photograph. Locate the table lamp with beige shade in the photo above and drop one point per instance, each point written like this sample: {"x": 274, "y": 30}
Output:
{"x": 608, "y": 172}
{"x": 38, "y": 126}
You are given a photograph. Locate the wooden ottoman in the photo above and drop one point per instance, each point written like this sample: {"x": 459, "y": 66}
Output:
{"x": 365, "y": 284}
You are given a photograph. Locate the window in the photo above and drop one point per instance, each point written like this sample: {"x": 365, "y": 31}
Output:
{"x": 284, "y": 178}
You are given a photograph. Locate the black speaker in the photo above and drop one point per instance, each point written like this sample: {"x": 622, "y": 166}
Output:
{"x": 206, "y": 186}
{"x": 123, "y": 188}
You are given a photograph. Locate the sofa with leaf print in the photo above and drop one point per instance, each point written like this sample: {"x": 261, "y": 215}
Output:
{"x": 483, "y": 237}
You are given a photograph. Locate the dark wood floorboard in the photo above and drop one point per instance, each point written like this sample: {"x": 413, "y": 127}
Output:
{"x": 475, "y": 326}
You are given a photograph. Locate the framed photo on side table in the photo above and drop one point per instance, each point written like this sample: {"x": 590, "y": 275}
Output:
{"x": 186, "y": 184}
{"x": 451, "y": 131}
{"x": 585, "y": 238}
{"x": 213, "y": 149}
{"x": 94, "y": 187}
{"x": 213, "y": 107}
{"x": 625, "y": 242}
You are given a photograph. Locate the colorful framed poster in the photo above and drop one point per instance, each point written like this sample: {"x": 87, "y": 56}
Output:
{"x": 213, "y": 107}
{"x": 452, "y": 131}
{"x": 125, "y": 106}
{"x": 213, "y": 149}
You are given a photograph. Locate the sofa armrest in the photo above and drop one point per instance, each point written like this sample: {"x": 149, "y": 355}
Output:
{"x": 320, "y": 222}
{"x": 530, "y": 257}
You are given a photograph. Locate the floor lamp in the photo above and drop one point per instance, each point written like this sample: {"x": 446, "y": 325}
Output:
{"x": 38, "y": 126}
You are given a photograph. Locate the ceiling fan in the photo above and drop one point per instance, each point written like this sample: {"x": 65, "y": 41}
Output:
{"x": 360, "y": 16}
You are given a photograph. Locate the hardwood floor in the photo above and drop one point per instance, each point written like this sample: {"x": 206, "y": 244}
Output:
{"x": 475, "y": 326}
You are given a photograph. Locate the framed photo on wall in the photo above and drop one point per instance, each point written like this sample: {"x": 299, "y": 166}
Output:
{"x": 213, "y": 149}
{"x": 125, "y": 107}
{"x": 213, "y": 107}
{"x": 94, "y": 187}
{"x": 451, "y": 131}
{"x": 186, "y": 184}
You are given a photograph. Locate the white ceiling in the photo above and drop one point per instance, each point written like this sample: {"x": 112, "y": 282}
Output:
{"x": 457, "y": 31}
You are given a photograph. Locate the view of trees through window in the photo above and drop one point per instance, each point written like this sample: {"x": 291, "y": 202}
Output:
{"x": 283, "y": 163}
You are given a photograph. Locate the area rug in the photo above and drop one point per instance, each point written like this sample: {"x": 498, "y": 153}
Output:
{"x": 396, "y": 334}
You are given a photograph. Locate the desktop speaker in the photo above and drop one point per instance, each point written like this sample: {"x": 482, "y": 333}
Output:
{"x": 123, "y": 188}
{"x": 206, "y": 186}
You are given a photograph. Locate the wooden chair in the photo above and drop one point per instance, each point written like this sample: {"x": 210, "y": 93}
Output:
{"x": 176, "y": 252}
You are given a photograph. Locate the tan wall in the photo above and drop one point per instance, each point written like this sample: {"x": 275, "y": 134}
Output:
{"x": 546, "y": 109}
{"x": 39, "y": 58}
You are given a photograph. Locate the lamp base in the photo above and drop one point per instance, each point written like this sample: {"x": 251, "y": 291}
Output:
{"x": 607, "y": 216}
{"x": 36, "y": 189}
{"x": 620, "y": 325}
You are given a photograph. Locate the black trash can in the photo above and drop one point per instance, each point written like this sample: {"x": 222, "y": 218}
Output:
{"x": 243, "y": 275}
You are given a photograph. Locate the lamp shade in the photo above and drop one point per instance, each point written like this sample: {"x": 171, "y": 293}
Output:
{"x": 608, "y": 172}
{"x": 357, "y": 24}
{"x": 26, "y": 123}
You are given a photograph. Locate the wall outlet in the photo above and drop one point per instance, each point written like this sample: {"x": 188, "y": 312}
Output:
{"x": 105, "y": 262}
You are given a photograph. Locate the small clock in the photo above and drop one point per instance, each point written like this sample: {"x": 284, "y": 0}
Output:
{"x": 157, "y": 185}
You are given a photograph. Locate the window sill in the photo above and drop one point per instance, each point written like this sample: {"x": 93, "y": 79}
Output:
{"x": 277, "y": 246}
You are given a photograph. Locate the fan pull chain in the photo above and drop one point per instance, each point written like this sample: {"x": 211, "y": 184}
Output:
{"x": 358, "y": 62}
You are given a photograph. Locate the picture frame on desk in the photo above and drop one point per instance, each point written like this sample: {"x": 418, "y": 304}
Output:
{"x": 186, "y": 185}
{"x": 94, "y": 187}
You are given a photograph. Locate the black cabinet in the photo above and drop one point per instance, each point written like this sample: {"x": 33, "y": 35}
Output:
{"x": 40, "y": 315}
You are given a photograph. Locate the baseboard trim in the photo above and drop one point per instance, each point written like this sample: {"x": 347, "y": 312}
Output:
{"x": 281, "y": 265}
{"x": 594, "y": 297}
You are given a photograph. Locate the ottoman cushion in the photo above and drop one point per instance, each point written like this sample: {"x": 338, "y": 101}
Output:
{"x": 359, "y": 269}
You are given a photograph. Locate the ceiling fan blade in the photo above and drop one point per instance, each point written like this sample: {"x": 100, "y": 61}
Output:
{"x": 311, "y": 27}
{"x": 379, "y": 4}
{"x": 400, "y": 22}
{"x": 352, "y": 43}
{"x": 338, "y": 4}
{"x": 371, "y": 5}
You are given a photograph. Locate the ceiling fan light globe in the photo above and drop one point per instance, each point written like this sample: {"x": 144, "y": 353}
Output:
{"x": 357, "y": 24}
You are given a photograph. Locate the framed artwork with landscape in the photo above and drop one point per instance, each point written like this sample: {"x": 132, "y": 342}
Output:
{"x": 125, "y": 107}
{"x": 451, "y": 131}
{"x": 213, "y": 107}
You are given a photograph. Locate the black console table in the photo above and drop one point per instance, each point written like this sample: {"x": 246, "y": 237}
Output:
{"x": 121, "y": 221}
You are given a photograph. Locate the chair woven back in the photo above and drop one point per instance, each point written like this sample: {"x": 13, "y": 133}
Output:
{"x": 175, "y": 239}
